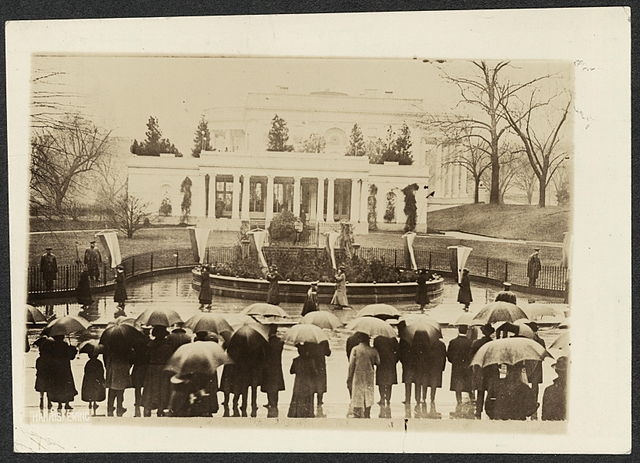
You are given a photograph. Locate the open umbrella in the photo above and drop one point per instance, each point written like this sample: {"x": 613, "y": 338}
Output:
{"x": 466, "y": 319}
{"x": 159, "y": 317}
{"x": 90, "y": 346}
{"x": 247, "y": 345}
{"x": 197, "y": 357}
{"x": 212, "y": 322}
{"x": 509, "y": 351}
{"x": 372, "y": 326}
{"x": 266, "y": 310}
{"x": 411, "y": 324}
{"x": 34, "y": 315}
{"x": 322, "y": 319}
{"x": 562, "y": 344}
{"x": 519, "y": 328}
{"x": 305, "y": 333}
{"x": 498, "y": 312}
{"x": 538, "y": 310}
{"x": 121, "y": 338}
{"x": 66, "y": 325}
{"x": 381, "y": 311}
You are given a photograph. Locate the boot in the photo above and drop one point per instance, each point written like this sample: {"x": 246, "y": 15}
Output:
{"x": 320, "y": 412}
{"x": 41, "y": 403}
{"x": 254, "y": 412}
{"x": 433, "y": 414}
{"x": 418, "y": 410}
{"x": 225, "y": 413}
{"x": 136, "y": 412}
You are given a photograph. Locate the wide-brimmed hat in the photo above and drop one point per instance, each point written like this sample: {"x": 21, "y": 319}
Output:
{"x": 536, "y": 249}
{"x": 561, "y": 364}
{"x": 92, "y": 242}
{"x": 506, "y": 284}
{"x": 49, "y": 248}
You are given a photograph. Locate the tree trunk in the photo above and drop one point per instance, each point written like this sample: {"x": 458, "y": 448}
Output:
{"x": 542, "y": 197}
{"x": 494, "y": 197}
{"x": 476, "y": 191}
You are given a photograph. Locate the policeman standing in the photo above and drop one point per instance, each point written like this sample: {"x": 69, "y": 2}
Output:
{"x": 48, "y": 268}
{"x": 93, "y": 261}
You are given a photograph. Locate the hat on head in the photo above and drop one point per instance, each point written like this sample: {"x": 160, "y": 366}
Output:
{"x": 561, "y": 364}
{"x": 120, "y": 268}
{"x": 49, "y": 248}
{"x": 532, "y": 325}
{"x": 314, "y": 283}
{"x": 92, "y": 242}
{"x": 536, "y": 249}
{"x": 487, "y": 329}
{"x": 506, "y": 284}
{"x": 341, "y": 267}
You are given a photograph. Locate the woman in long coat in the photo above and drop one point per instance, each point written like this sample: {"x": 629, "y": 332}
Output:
{"x": 62, "y": 387}
{"x": 311, "y": 302}
{"x": 319, "y": 352}
{"x": 362, "y": 364}
{"x": 436, "y": 361}
{"x": 340, "y": 296}
{"x": 420, "y": 361}
{"x": 138, "y": 372}
{"x": 273, "y": 295}
{"x": 117, "y": 378}
{"x": 386, "y": 374}
{"x": 459, "y": 354}
{"x": 422, "y": 295}
{"x": 157, "y": 386}
{"x": 120, "y": 296}
{"x": 93, "y": 383}
{"x": 304, "y": 367}
{"x": 408, "y": 369}
{"x": 205, "y": 297}
{"x": 464, "y": 293}
{"x": 83, "y": 290}
{"x": 273, "y": 379}
{"x": 45, "y": 369}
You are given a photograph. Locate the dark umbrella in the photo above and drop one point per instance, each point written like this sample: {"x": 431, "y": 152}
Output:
{"x": 247, "y": 344}
{"x": 66, "y": 325}
{"x": 197, "y": 357}
{"x": 212, "y": 322}
{"x": 381, "y": 311}
{"x": 121, "y": 338}
{"x": 498, "y": 312}
{"x": 412, "y": 324}
{"x": 178, "y": 337}
{"x": 159, "y": 317}
{"x": 34, "y": 315}
{"x": 90, "y": 346}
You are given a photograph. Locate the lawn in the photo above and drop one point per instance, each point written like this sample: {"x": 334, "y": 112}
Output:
{"x": 504, "y": 221}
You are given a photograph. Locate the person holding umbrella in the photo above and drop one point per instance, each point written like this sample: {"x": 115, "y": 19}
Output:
{"x": 305, "y": 370}
{"x": 117, "y": 362}
{"x": 509, "y": 398}
{"x": 483, "y": 378}
{"x": 422, "y": 295}
{"x": 408, "y": 372}
{"x": 533, "y": 267}
{"x": 436, "y": 361}
{"x": 205, "y": 297}
{"x": 44, "y": 369}
{"x": 506, "y": 295}
{"x": 386, "y": 375}
{"x": 93, "y": 382}
{"x": 311, "y": 302}
{"x": 554, "y": 399}
{"x": 155, "y": 395}
{"x": 318, "y": 353}
{"x": 459, "y": 355}
{"x": 273, "y": 295}
{"x": 63, "y": 388}
{"x": 139, "y": 370}
{"x": 339, "y": 300}
{"x": 120, "y": 295}
{"x": 362, "y": 364}
{"x": 464, "y": 293}
{"x": 535, "y": 377}
{"x": 273, "y": 379}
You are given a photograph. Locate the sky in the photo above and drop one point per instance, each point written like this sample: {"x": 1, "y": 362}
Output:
{"x": 119, "y": 93}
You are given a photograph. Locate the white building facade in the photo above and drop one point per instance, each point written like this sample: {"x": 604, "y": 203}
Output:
{"x": 240, "y": 181}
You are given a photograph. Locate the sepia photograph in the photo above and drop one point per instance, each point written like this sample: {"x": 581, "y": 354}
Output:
{"x": 298, "y": 240}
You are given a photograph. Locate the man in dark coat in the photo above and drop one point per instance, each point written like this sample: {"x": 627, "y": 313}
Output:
{"x": 422, "y": 295}
{"x": 386, "y": 375}
{"x": 273, "y": 295}
{"x": 204, "y": 296}
{"x": 62, "y": 387}
{"x": 436, "y": 361}
{"x": 318, "y": 353}
{"x": 535, "y": 375}
{"x": 408, "y": 372}
{"x": 272, "y": 378}
{"x": 533, "y": 267}
{"x": 506, "y": 295}
{"x": 509, "y": 398}
{"x": 464, "y": 293}
{"x": 353, "y": 341}
{"x": 120, "y": 295}
{"x": 483, "y": 377}
{"x": 459, "y": 354}
{"x": 554, "y": 399}
{"x": 48, "y": 268}
{"x": 93, "y": 261}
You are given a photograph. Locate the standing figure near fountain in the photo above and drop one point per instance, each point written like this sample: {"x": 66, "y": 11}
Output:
{"x": 311, "y": 302}
{"x": 120, "y": 295}
{"x": 339, "y": 300}
{"x": 273, "y": 296}
{"x": 422, "y": 296}
{"x": 205, "y": 296}
{"x": 464, "y": 293}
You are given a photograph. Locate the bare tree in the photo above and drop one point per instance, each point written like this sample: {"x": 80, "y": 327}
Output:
{"x": 51, "y": 103}
{"x": 128, "y": 213}
{"x": 540, "y": 143}
{"x": 525, "y": 178}
{"x": 60, "y": 156}
{"x": 485, "y": 94}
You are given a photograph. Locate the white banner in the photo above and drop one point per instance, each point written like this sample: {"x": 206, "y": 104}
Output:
{"x": 259, "y": 238}
{"x": 409, "y": 238}
{"x": 332, "y": 239}
{"x": 462, "y": 254}
{"x": 109, "y": 240}
{"x": 199, "y": 238}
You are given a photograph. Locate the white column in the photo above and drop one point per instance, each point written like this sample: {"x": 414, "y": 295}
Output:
{"x": 364, "y": 201}
{"x": 296, "y": 196}
{"x": 354, "y": 216}
{"x": 235, "y": 202}
{"x": 320, "y": 201}
{"x": 245, "y": 197}
{"x": 269, "y": 206}
{"x": 330, "y": 200}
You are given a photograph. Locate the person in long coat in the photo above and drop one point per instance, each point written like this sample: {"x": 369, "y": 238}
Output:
{"x": 533, "y": 267}
{"x": 45, "y": 369}
{"x": 138, "y": 372}
{"x": 157, "y": 386}
{"x": 273, "y": 295}
{"x": 509, "y": 398}
{"x": 205, "y": 296}
{"x": 464, "y": 292}
{"x": 272, "y": 378}
{"x": 554, "y": 399}
{"x": 48, "y": 268}
{"x": 386, "y": 373}
{"x": 408, "y": 371}
{"x": 62, "y": 387}
{"x": 437, "y": 359}
{"x": 305, "y": 370}
{"x": 422, "y": 295}
{"x": 459, "y": 355}
{"x": 339, "y": 299}
{"x": 535, "y": 376}
{"x": 117, "y": 378}
{"x": 311, "y": 301}
{"x": 483, "y": 378}
{"x": 93, "y": 261}
{"x": 83, "y": 290}
{"x": 360, "y": 380}
{"x": 93, "y": 381}
{"x": 120, "y": 295}
{"x": 318, "y": 352}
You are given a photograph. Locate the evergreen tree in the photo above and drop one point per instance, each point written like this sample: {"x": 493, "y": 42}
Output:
{"x": 202, "y": 139}
{"x": 356, "y": 142}
{"x": 154, "y": 143}
{"x": 315, "y": 143}
{"x": 279, "y": 135}
{"x": 398, "y": 146}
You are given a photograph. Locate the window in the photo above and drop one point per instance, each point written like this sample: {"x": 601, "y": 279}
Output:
{"x": 257, "y": 195}
{"x": 282, "y": 197}
{"x": 224, "y": 196}
{"x": 342, "y": 200}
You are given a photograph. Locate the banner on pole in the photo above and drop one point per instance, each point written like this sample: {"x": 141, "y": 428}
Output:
{"x": 331, "y": 244}
{"x": 109, "y": 241}
{"x": 199, "y": 238}
{"x": 459, "y": 256}
{"x": 410, "y": 258}
{"x": 259, "y": 238}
